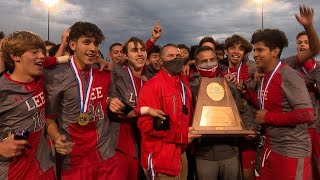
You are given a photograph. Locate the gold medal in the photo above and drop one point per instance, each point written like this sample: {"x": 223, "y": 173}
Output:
{"x": 215, "y": 91}
{"x": 83, "y": 119}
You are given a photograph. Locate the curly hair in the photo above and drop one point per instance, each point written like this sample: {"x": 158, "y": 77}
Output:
{"x": 86, "y": 29}
{"x": 272, "y": 38}
{"x": 237, "y": 39}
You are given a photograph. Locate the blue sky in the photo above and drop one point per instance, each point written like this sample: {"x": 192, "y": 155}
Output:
{"x": 183, "y": 21}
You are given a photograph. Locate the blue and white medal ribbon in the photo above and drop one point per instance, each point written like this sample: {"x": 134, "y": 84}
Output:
{"x": 84, "y": 93}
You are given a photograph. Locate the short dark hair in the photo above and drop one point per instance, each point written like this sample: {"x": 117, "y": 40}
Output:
{"x": 202, "y": 49}
{"x": 86, "y": 29}
{"x": 183, "y": 46}
{"x": 167, "y": 45}
{"x": 113, "y": 45}
{"x": 54, "y": 49}
{"x": 207, "y": 39}
{"x": 237, "y": 39}
{"x": 192, "y": 51}
{"x": 153, "y": 49}
{"x": 135, "y": 40}
{"x": 219, "y": 47}
{"x": 49, "y": 43}
{"x": 2, "y": 35}
{"x": 272, "y": 38}
{"x": 302, "y": 33}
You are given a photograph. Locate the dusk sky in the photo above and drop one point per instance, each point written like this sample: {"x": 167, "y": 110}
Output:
{"x": 182, "y": 21}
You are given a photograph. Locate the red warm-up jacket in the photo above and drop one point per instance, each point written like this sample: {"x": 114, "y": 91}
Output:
{"x": 165, "y": 146}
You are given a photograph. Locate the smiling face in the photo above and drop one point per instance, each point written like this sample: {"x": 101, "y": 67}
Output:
{"x": 30, "y": 63}
{"x": 116, "y": 54}
{"x": 235, "y": 54}
{"x": 85, "y": 51}
{"x": 265, "y": 57}
{"x": 136, "y": 55}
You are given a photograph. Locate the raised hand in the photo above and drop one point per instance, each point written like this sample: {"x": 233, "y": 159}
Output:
{"x": 305, "y": 18}
{"x": 156, "y": 32}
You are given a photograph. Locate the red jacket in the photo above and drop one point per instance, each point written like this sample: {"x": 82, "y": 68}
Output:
{"x": 164, "y": 92}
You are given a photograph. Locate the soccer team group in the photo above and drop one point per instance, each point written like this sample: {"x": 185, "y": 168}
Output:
{"x": 66, "y": 113}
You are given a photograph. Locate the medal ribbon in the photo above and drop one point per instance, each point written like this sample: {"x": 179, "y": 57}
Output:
{"x": 238, "y": 72}
{"x": 267, "y": 86}
{"x": 134, "y": 85}
{"x": 84, "y": 93}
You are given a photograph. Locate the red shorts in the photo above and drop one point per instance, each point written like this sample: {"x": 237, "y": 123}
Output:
{"x": 277, "y": 167}
{"x": 129, "y": 166}
{"x": 315, "y": 140}
{"x": 248, "y": 158}
{"x": 107, "y": 169}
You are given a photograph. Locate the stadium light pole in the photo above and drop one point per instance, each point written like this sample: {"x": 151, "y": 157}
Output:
{"x": 260, "y": 2}
{"x": 49, "y": 4}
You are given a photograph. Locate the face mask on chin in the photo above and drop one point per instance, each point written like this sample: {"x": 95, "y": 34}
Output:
{"x": 174, "y": 66}
{"x": 208, "y": 72}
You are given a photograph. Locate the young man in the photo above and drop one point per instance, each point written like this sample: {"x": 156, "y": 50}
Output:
{"x": 236, "y": 49}
{"x": 22, "y": 108}
{"x": 217, "y": 157}
{"x": 116, "y": 54}
{"x": 77, "y": 97}
{"x": 208, "y": 41}
{"x": 306, "y": 53}
{"x": 126, "y": 84}
{"x": 49, "y": 45}
{"x": 304, "y": 63}
{"x": 154, "y": 62}
{"x": 184, "y": 52}
{"x": 285, "y": 107}
{"x": 162, "y": 147}
{"x": 220, "y": 52}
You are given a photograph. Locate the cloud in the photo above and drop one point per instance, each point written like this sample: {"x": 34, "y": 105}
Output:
{"x": 183, "y": 21}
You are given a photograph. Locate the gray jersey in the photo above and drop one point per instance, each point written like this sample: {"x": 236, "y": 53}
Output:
{"x": 22, "y": 107}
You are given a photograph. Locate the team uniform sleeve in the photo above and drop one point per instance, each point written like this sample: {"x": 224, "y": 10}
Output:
{"x": 50, "y": 62}
{"x": 149, "y": 97}
{"x": 149, "y": 44}
{"x": 295, "y": 91}
{"x": 292, "y": 61}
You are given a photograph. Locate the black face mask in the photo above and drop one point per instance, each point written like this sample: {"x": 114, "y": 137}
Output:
{"x": 174, "y": 66}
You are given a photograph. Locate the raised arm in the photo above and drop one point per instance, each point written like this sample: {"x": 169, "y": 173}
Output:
{"x": 305, "y": 18}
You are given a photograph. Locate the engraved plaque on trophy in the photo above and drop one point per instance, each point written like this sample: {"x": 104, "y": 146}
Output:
{"x": 216, "y": 112}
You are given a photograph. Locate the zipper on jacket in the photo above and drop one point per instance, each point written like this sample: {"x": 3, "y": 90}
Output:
{"x": 174, "y": 104}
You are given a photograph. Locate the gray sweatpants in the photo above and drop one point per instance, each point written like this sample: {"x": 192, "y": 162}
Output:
{"x": 227, "y": 169}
